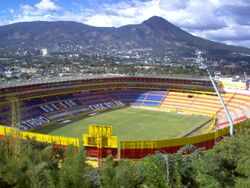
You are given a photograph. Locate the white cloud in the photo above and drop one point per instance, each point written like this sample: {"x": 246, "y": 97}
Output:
{"x": 104, "y": 20}
{"x": 230, "y": 33}
{"x": 190, "y": 14}
{"x": 26, "y": 9}
{"x": 45, "y": 10}
{"x": 118, "y": 14}
{"x": 11, "y": 10}
{"x": 238, "y": 43}
{"x": 47, "y": 5}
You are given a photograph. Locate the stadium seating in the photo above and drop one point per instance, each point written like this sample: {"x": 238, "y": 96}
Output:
{"x": 44, "y": 103}
{"x": 53, "y": 108}
{"x": 209, "y": 104}
{"x": 141, "y": 98}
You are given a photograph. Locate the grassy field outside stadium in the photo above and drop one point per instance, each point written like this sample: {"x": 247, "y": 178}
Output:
{"x": 132, "y": 124}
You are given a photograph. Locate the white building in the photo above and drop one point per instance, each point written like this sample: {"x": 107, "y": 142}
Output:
{"x": 29, "y": 70}
{"x": 8, "y": 73}
{"x": 44, "y": 51}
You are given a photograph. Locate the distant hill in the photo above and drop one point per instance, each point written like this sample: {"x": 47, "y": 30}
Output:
{"x": 155, "y": 33}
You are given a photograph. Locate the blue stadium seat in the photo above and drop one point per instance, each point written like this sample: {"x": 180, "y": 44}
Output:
{"x": 65, "y": 97}
{"x": 154, "y": 97}
{"x": 147, "y": 103}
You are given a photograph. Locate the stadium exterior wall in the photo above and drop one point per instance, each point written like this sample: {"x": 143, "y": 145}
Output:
{"x": 139, "y": 149}
{"x": 57, "y": 140}
{"x": 128, "y": 149}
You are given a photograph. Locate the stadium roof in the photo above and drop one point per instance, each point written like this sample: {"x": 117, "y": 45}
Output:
{"x": 43, "y": 80}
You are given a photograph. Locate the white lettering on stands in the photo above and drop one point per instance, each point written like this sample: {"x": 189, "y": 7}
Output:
{"x": 70, "y": 103}
{"x": 35, "y": 122}
{"x": 106, "y": 105}
{"x": 56, "y": 106}
{"x": 47, "y": 108}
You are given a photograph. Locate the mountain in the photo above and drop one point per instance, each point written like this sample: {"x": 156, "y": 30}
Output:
{"x": 155, "y": 33}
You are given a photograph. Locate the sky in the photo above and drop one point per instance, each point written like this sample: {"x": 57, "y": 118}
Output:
{"x": 226, "y": 21}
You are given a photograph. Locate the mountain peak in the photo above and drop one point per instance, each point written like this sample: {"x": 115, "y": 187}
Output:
{"x": 155, "y": 20}
{"x": 157, "y": 23}
{"x": 162, "y": 27}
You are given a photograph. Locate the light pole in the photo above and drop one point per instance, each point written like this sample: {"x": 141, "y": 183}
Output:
{"x": 200, "y": 61}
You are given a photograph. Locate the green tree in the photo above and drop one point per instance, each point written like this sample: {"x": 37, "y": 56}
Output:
{"x": 152, "y": 170}
{"x": 127, "y": 174}
{"x": 108, "y": 173}
{"x": 23, "y": 165}
{"x": 228, "y": 163}
{"x": 73, "y": 172}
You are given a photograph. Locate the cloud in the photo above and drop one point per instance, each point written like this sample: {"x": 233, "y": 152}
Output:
{"x": 47, "y": 5}
{"x": 11, "y": 11}
{"x": 233, "y": 33}
{"x": 238, "y": 13}
{"x": 238, "y": 43}
{"x": 45, "y": 10}
{"x": 187, "y": 14}
{"x": 26, "y": 9}
{"x": 196, "y": 16}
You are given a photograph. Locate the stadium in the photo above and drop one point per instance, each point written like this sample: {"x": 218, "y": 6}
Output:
{"x": 126, "y": 116}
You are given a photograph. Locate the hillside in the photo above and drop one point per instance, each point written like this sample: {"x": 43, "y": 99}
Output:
{"x": 156, "y": 33}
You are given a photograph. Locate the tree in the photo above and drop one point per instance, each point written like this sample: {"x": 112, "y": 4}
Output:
{"x": 74, "y": 169}
{"x": 127, "y": 174}
{"x": 152, "y": 169}
{"x": 23, "y": 165}
{"x": 228, "y": 163}
{"x": 108, "y": 173}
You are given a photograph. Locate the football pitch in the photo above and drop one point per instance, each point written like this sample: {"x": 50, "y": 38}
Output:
{"x": 132, "y": 124}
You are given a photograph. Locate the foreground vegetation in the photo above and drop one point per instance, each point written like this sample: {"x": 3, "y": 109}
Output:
{"x": 32, "y": 164}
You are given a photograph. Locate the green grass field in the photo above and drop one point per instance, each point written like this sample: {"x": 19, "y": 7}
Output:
{"x": 132, "y": 124}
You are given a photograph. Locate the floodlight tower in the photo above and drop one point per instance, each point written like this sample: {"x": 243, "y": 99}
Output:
{"x": 15, "y": 112}
{"x": 202, "y": 65}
